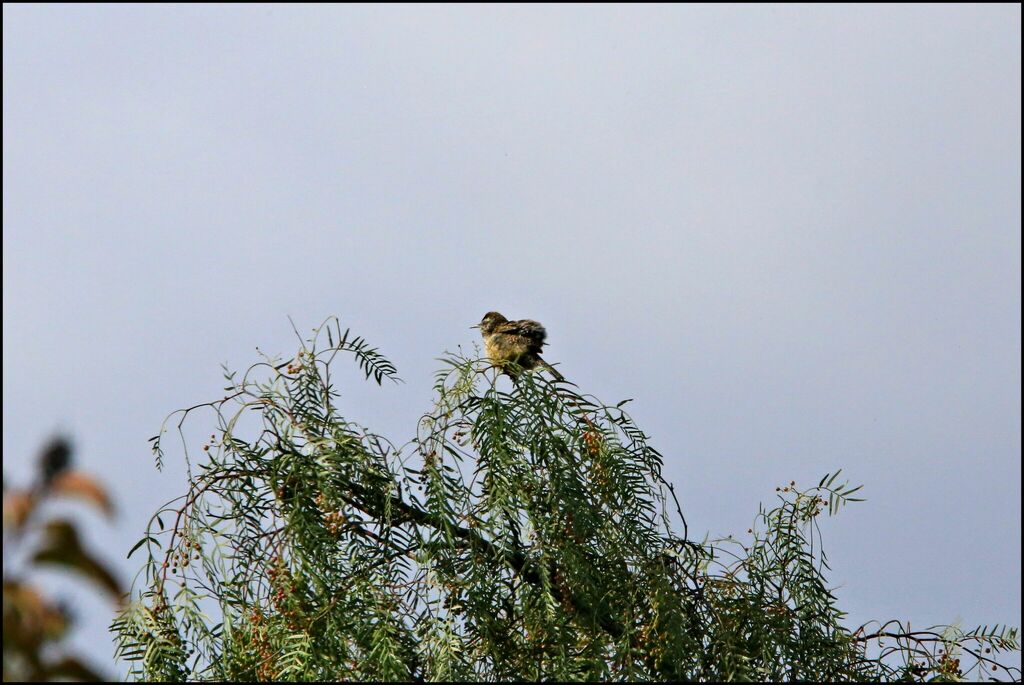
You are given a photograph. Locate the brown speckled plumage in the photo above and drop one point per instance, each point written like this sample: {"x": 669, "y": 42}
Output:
{"x": 518, "y": 342}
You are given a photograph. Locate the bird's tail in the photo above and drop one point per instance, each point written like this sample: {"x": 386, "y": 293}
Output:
{"x": 553, "y": 370}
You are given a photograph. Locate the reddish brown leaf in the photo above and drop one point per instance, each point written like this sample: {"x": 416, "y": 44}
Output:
{"x": 78, "y": 484}
{"x": 17, "y": 507}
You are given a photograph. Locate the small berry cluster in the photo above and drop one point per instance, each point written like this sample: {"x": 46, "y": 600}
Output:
{"x": 564, "y": 592}
{"x": 334, "y": 520}
{"x": 187, "y": 552}
{"x": 264, "y": 654}
{"x": 430, "y": 460}
{"x": 599, "y": 474}
{"x": 950, "y": 667}
{"x": 593, "y": 440}
{"x": 283, "y": 584}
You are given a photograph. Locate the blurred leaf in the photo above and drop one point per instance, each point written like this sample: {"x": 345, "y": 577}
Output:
{"x": 17, "y": 507}
{"x": 70, "y": 668}
{"x": 77, "y": 484}
{"x": 61, "y": 547}
{"x": 28, "y": 619}
{"x": 35, "y": 626}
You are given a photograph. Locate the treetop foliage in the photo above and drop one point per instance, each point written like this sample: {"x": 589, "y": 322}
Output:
{"x": 525, "y": 532}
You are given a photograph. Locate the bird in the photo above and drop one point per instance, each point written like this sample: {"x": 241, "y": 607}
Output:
{"x": 514, "y": 342}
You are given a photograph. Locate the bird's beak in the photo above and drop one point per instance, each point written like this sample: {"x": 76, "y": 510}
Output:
{"x": 476, "y": 326}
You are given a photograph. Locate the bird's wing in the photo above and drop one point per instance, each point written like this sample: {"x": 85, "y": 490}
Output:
{"x": 530, "y": 330}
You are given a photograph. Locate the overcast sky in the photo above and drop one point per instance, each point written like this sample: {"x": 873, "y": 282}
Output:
{"x": 792, "y": 234}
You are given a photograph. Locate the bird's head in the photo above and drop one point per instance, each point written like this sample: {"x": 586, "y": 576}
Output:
{"x": 490, "y": 321}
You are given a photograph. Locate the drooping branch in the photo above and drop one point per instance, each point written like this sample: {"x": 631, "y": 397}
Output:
{"x": 371, "y": 504}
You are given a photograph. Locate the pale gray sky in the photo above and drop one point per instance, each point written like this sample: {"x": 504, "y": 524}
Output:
{"x": 791, "y": 233}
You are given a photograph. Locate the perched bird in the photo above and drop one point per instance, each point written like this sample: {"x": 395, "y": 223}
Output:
{"x": 518, "y": 342}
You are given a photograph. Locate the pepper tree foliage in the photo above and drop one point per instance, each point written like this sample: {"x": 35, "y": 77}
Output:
{"x": 526, "y": 532}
